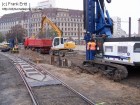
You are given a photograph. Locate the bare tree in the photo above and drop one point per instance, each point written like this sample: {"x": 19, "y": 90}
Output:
{"x": 50, "y": 33}
{"x": 17, "y": 33}
{"x": 41, "y": 34}
{"x": 1, "y": 37}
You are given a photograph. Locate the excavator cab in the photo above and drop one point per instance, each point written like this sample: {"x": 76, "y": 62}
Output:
{"x": 60, "y": 43}
{"x": 60, "y": 46}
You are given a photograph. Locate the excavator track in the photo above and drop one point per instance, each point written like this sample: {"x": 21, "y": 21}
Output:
{"x": 113, "y": 71}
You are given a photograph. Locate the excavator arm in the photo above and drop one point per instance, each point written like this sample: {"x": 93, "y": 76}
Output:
{"x": 55, "y": 28}
{"x": 59, "y": 46}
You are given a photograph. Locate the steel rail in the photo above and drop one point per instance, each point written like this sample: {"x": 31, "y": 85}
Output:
{"x": 70, "y": 88}
{"x": 64, "y": 84}
{"x": 35, "y": 102}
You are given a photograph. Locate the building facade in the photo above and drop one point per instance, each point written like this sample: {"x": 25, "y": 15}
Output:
{"x": 9, "y": 20}
{"x": 69, "y": 21}
{"x": 117, "y": 30}
{"x": 139, "y": 27}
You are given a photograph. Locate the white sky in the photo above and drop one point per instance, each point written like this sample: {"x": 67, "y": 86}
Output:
{"x": 120, "y": 8}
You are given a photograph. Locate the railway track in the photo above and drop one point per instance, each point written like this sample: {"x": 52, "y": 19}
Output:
{"x": 44, "y": 88}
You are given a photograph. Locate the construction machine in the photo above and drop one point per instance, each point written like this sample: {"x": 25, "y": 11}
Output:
{"x": 60, "y": 45}
{"x": 113, "y": 55}
{"x": 13, "y": 45}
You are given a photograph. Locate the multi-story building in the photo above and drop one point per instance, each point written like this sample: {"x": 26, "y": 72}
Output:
{"x": 117, "y": 30}
{"x": 139, "y": 27}
{"x": 116, "y": 26}
{"x": 46, "y": 4}
{"x": 69, "y": 21}
{"x": 9, "y": 20}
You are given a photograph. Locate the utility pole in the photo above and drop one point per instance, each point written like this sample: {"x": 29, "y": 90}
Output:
{"x": 129, "y": 26}
{"x": 139, "y": 27}
{"x": 29, "y": 21}
{"x": 79, "y": 33}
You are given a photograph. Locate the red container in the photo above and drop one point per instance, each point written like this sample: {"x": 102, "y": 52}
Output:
{"x": 40, "y": 43}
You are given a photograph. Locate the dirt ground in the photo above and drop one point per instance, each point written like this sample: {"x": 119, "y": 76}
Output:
{"x": 95, "y": 87}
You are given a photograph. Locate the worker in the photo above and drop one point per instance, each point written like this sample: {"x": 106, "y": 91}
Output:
{"x": 88, "y": 50}
{"x": 92, "y": 49}
{"x": 16, "y": 47}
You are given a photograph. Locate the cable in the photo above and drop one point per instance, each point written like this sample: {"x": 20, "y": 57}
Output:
{"x": 108, "y": 1}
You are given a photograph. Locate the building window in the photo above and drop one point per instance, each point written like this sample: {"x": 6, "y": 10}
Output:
{"x": 71, "y": 24}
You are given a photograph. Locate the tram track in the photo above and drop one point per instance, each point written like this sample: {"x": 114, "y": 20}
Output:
{"x": 44, "y": 88}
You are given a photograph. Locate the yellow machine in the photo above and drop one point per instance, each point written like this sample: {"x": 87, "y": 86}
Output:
{"x": 60, "y": 45}
{"x": 15, "y": 49}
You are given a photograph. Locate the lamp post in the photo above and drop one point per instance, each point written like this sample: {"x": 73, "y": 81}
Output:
{"x": 29, "y": 21}
{"x": 129, "y": 26}
{"x": 139, "y": 27}
{"x": 79, "y": 33}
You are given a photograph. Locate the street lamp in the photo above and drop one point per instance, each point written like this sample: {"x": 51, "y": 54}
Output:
{"x": 79, "y": 33}
{"x": 29, "y": 22}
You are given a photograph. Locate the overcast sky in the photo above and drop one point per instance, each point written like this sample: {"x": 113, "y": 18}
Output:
{"x": 120, "y": 8}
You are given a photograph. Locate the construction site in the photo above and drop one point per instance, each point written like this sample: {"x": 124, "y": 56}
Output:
{"x": 56, "y": 70}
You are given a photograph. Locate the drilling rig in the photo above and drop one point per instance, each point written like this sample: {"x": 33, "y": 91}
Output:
{"x": 113, "y": 55}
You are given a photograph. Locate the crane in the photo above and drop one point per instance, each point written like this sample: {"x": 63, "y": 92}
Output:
{"x": 60, "y": 45}
{"x": 113, "y": 55}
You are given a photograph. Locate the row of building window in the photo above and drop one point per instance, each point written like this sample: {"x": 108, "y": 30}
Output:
{"x": 70, "y": 29}
{"x": 70, "y": 24}
{"x": 59, "y": 19}
{"x": 65, "y": 15}
{"x": 60, "y": 26}
{"x": 39, "y": 25}
{"x": 36, "y": 15}
{"x": 39, "y": 20}
{"x": 35, "y": 31}
{"x": 67, "y": 19}
{"x": 9, "y": 23}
